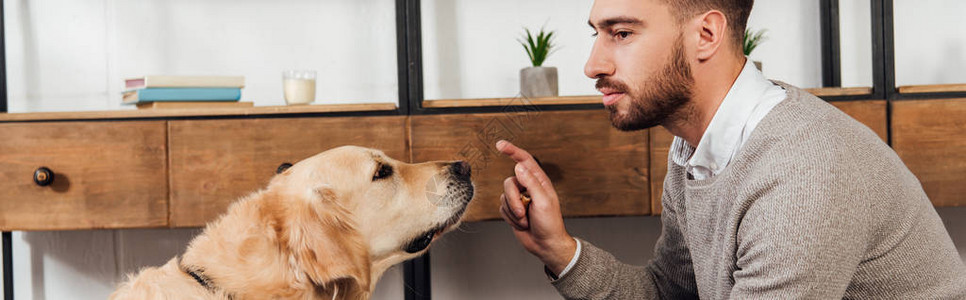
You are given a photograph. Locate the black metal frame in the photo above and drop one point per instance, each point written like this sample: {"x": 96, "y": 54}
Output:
{"x": 883, "y": 58}
{"x": 408, "y": 54}
{"x": 3, "y": 62}
{"x": 7, "y": 265}
{"x": 416, "y": 275}
{"x": 883, "y": 71}
{"x": 410, "y": 81}
{"x": 6, "y": 235}
{"x": 831, "y": 53}
{"x": 417, "y": 279}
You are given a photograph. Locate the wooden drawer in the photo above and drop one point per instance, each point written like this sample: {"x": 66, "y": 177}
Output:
{"x": 214, "y": 162}
{"x": 597, "y": 170}
{"x": 929, "y": 136}
{"x": 107, "y": 175}
{"x": 872, "y": 113}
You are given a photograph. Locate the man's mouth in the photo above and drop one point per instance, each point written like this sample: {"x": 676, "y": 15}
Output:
{"x": 611, "y": 98}
{"x": 611, "y": 95}
{"x": 613, "y": 90}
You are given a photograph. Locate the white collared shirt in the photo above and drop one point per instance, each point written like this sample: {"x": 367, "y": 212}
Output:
{"x": 751, "y": 97}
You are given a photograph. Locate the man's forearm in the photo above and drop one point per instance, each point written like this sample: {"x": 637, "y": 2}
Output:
{"x": 598, "y": 275}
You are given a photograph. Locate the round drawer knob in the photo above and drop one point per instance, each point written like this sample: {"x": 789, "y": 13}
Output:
{"x": 282, "y": 168}
{"x": 43, "y": 176}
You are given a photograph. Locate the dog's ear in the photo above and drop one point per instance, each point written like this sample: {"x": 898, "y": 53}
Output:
{"x": 325, "y": 243}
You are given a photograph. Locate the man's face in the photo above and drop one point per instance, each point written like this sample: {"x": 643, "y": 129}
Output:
{"x": 639, "y": 61}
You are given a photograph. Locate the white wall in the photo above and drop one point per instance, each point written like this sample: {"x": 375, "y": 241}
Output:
{"x": 930, "y": 42}
{"x": 792, "y": 50}
{"x": 855, "y": 41}
{"x": 470, "y": 47}
{"x": 72, "y": 55}
{"x": 468, "y": 42}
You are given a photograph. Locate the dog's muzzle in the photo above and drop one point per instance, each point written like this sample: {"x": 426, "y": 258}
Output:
{"x": 459, "y": 192}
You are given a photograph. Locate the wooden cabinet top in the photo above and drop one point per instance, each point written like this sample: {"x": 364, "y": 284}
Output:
{"x": 208, "y": 112}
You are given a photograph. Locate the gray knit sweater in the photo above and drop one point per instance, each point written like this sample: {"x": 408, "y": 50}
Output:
{"x": 814, "y": 206}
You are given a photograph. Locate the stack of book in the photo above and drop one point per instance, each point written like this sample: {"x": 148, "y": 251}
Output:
{"x": 184, "y": 91}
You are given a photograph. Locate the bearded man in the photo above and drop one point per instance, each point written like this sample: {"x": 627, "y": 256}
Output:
{"x": 770, "y": 192}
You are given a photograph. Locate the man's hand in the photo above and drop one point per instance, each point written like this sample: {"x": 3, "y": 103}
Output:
{"x": 539, "y": 226}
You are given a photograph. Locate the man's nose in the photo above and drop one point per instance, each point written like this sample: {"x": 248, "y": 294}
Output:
{"x": 599, "y": 64}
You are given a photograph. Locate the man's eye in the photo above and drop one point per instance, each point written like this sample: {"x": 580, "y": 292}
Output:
{"x": 383, "y": 171}
{"x": 622, "y": 34}
{"x": 593, "y": 34}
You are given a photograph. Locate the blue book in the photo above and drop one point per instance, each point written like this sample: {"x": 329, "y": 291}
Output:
{"x": 181, "y": 94}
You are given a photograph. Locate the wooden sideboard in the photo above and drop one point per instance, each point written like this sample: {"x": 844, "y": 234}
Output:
{"x": 597, "y": 170}
{"x": 124, "y": 170}
{"x": 929, "y": 136}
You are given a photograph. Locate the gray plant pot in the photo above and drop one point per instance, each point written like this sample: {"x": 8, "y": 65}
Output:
{"x": 538, "y": 82}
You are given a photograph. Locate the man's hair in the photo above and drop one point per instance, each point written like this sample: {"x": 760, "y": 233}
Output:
{"x": 736, "y": 11}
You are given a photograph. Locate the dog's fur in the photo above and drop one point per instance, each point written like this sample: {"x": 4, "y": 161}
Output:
{"x": 326, "y": 228}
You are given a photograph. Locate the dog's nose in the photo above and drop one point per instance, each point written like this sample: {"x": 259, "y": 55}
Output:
{"x": 461, "y": 170}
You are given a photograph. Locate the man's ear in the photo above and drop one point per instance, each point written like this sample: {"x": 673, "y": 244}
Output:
{"x": 712, "y": 34}
{"x": 325, "y": 243}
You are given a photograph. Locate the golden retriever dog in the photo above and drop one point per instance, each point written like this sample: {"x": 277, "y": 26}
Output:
{"x": 325, "y": 228}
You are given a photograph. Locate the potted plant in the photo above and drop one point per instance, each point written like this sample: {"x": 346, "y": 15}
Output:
{"x": 751, "y": 41}
{"x": 537, "y": 80}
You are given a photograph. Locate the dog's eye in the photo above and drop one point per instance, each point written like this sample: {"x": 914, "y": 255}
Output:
{"x": 382, "y": 172}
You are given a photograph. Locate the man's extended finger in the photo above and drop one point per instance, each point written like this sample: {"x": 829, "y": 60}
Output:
{"x": 514, "y": 152}
{"x": 517, "y": 154}
{"x": 523, "y": 157}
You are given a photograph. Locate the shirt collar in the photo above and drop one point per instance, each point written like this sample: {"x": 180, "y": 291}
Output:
{"x": 720, "y": 140}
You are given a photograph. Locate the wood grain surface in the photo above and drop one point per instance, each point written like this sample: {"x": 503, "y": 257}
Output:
{"x": 929, "y": 136}
{"x": 597, "y": 170}
{"x": 214, "y": 162}
{"x": 840, "y": 91}
{"x": 933, "y": 88}
{"x": 107, "y": 175}
{"x": 512, "y": 101}
{"x": 195, "y": 112}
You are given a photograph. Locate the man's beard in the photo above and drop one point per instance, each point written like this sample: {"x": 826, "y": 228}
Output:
{"x": 662, "y": 96}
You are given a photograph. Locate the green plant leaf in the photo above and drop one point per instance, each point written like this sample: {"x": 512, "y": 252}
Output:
{"x": 537, "y": 47}
{"x": 752, "y": 39}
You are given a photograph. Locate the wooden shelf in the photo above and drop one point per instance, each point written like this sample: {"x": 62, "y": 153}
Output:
{"x": 161, "y": 113}
{"x": 840, "y": 91}
{"x": 566, "y": 100}
{"x": 933, "y": 88}
{"x": 563, "y": 100}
